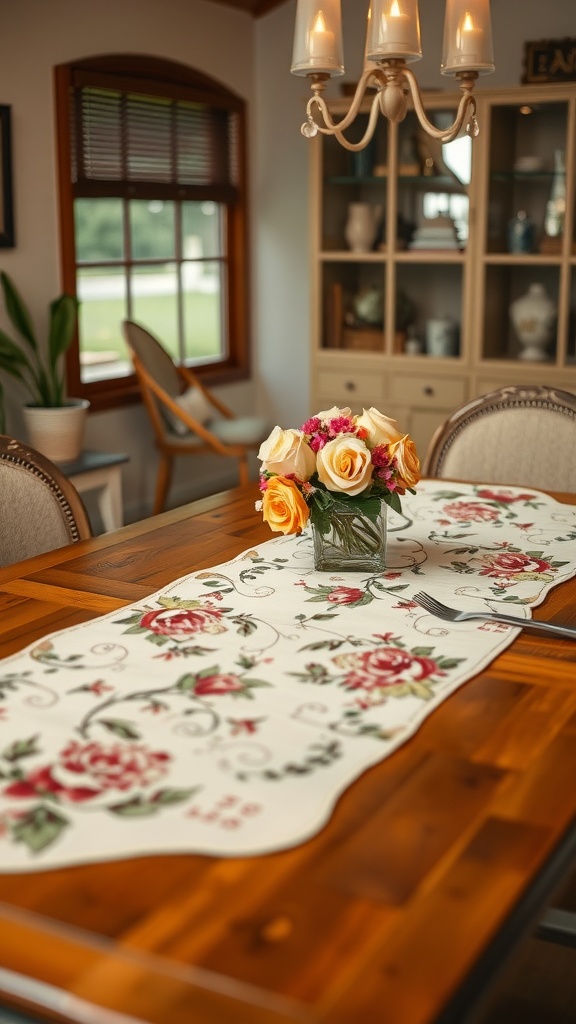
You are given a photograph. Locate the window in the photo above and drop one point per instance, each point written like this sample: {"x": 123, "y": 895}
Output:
{"x": 153, "y": 218}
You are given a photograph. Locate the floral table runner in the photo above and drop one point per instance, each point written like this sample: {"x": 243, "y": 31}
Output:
{"x": 226, "y": 713}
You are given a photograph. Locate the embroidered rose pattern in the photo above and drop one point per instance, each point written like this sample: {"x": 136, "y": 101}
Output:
{"x": 345, "y": 595}
{"x": 218, "y": 684}
{"x": 471, "y": 512}
{"x": 87, "y": 770}
{"x": 515, "y": 565}
{"x": 389, "y": 670}
{"x": 379, "y": 669}
{"x": 182, "y": 623}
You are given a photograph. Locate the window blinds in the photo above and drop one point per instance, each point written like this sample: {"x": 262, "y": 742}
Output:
{"x": 129, "y": 144}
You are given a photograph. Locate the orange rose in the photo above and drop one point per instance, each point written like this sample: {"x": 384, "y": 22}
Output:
{"x": 407, "y": 461}
{"x": 283, "y": 506}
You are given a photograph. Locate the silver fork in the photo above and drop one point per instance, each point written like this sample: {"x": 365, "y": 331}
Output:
{"x": 435, "y": 607}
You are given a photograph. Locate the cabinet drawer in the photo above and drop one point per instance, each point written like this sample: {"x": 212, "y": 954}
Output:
{"x": 352, "y": 387}
{"x": 433, "y": 392}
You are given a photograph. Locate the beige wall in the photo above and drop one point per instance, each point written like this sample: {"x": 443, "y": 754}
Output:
{"x": 36, "y": 35}
{"x": 253, "y": 58}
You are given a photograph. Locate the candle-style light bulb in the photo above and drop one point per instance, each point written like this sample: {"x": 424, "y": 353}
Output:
{"x": 467, "y": 37}
{"x": 318, "y": 38}
{"x": 321, "y": 40}
{"x": 393, "y": 30}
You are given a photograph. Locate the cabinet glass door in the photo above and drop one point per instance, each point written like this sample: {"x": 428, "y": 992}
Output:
{"x": 524, "y": 233}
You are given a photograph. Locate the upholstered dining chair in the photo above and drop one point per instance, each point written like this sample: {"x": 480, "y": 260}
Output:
{"x": 40, "y": 508}
{"x": 186, "y": 417}
{"x": 518, "y": 435}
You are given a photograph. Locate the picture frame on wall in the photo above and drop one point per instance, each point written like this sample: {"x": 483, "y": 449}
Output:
{"x": 7, "y": 240}
{"x": 549, "y": 60}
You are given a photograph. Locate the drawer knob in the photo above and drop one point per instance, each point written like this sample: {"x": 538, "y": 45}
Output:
{"x": 350, "y": 385}
{"x": 428, "y": 391}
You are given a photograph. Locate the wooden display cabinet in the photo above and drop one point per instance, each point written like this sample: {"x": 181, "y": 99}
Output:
{"x": 466, "y": 274}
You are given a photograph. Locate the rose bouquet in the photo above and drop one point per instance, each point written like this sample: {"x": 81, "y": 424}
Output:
{"x": 336, "y": 471}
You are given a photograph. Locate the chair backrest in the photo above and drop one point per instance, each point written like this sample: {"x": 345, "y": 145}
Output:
{"x": 153, "y": 357}
{"x": 40, "y": 509}
{"x": 523, "y": 436}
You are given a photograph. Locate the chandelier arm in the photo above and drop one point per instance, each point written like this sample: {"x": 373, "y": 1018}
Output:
{"x": 318, "y": 84}
{"x": 338, "y": 129}
{"x": 467, "y": 102}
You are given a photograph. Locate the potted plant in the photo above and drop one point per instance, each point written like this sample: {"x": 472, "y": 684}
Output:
{"x": 55, "y": 423}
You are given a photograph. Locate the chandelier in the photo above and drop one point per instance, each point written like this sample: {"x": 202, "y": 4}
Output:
{"x": 392, "y": 42}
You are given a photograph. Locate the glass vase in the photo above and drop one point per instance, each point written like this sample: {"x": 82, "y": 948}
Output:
{"x": 353, "y": 543}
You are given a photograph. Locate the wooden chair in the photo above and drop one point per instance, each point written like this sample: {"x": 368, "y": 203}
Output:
{"x": 186, "y": 417}
{"x": 523, "y": 436}
{"x": 40, "y": 508}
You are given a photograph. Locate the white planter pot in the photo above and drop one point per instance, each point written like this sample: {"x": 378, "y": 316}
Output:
{"x": 57, "y": 433}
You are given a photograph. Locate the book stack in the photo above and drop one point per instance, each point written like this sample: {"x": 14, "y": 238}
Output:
{"x": 436, "y": 233}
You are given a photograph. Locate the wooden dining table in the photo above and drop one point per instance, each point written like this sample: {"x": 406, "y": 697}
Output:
{"x": 435, "y": 864}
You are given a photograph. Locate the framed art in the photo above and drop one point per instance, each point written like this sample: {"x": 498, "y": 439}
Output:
{"x": 6, "y": 210}
{"x": 549, "y": 60}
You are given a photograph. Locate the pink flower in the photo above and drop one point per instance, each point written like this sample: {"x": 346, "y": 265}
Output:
{"x": 385, "y": 667}
{"x": 100, "y": 687}
{"x": 116, "y": 766}
{"x": 503, "y": 497}
{"x": 217, "y": 684}
{"x": 241, "y": 725}
{"x": 511, "y": 563}
{"x": 312, "y": 426}
{"x": 381, "y": 456}
{"x": 104, "y": 767}
{"x": 317, "y": 441}
{"x": 345, "y": 595}
{"x": 340, "y": 425}
{"x": 471, "y": 512}
{"x": 180, "y": 623}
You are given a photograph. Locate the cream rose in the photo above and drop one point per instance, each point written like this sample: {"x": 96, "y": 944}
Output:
{"x": 381, "y": 429}
{"x": 333, "y": 414}
{"x": 407, "y": 462}
{"x": 285, "y": 452}
{"x": 283, "y": 506}
{"x": 344, "y": 464}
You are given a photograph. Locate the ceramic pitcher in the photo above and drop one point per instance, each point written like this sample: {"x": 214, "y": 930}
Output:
{"x": 362, "y": 226}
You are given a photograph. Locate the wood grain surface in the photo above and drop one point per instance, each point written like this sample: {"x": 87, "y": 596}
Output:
{"x": 434, "y": 864}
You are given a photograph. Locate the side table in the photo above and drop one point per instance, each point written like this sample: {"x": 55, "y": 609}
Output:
{"x": 101, "y": 472}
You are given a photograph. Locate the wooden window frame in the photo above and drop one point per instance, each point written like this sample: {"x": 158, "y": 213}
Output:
{"x": 155, "y": 76}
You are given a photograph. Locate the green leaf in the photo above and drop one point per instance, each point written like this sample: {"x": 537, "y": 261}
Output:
{"x": 141, "y": 806}
{"x": 12, "y": 359}
{"x": 39, "y": 828}
{"x": 136, "y": 807}
{"x": 245, "y": 625}
{"x": 63, "y": 313}
{"x": 167, "y": 797}
{"x": 186, "y": 683}
{"x": 21, "y": 748}
{"x": 18, "y": 311}
{"x": 120, "y": 728}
